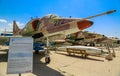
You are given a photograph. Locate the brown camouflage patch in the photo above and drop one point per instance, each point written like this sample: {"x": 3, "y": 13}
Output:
{"x": 52, "y": 28}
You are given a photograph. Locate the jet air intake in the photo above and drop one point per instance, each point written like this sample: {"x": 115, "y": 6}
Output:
{"x": 35, "y": 24}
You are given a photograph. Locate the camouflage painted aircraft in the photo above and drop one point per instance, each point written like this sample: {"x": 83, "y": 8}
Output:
{"x": 52, "y": 25}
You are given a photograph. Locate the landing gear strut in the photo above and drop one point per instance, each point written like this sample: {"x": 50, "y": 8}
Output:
{"x": 47, "y": 52}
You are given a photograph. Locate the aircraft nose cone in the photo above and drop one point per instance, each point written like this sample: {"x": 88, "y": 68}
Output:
{"x": 84, "y": 24}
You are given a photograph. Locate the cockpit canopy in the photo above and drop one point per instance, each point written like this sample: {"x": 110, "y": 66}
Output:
{"x": 52, "y": 16}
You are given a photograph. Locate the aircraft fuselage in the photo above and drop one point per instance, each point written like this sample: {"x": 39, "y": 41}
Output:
{"x": 53, "y": 26}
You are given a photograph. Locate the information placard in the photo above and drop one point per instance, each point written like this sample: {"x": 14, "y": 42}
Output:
{"x": 20, "y": 56}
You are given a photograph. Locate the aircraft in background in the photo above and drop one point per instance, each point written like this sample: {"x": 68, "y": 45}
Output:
{"x": 6, "y": 34}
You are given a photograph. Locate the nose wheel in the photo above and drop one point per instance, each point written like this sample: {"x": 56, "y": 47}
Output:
{"x": 47, "y": 56}
{"x": 47, "y": 59}
{"x": 47, "y": 52}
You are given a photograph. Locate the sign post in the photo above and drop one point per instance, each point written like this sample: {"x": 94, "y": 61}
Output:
{"x": 20, "y": 56}
{"x": 19, "y": 74}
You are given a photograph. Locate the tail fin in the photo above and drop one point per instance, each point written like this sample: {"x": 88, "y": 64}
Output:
{"x": 15, "y": 28}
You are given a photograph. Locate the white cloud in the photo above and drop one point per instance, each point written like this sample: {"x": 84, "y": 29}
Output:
{"x": 3, "y": 21}
{"x": 9, "y": 26}
{"x": 20, "y": 25}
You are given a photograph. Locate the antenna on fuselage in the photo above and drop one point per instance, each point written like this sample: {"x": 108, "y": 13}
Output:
{"x": 31, "y": 18}
{"x": 70, "y": 16}
{"x": 36, "y": 16}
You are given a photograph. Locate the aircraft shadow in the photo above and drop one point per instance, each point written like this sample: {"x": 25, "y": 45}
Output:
{"x": 41, "y": 69}
{"x": 78, "y": 56}
{"x": 4, "y": 55}
{"x": 4, "y": 50}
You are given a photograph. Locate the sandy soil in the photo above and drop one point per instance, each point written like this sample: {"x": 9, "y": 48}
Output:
{"x": 64, "y": 65}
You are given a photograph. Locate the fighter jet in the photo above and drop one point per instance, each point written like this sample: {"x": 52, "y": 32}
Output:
{"x": 52, "y": 25}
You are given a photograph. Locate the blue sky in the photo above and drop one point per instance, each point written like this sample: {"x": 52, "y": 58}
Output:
{"x": 23, "y": 10}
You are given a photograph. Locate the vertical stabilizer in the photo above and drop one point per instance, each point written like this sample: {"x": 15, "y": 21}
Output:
{"x": 15, "y": 28}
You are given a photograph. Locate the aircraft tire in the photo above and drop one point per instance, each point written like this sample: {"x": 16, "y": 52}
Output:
{"x": 36, "y": 52}
{"x": 47, "y": 60}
